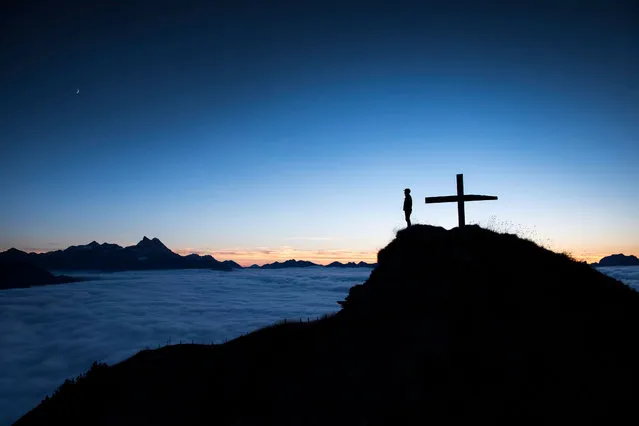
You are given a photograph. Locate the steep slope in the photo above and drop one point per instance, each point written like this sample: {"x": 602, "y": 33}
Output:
{"x": 452, "y": 326}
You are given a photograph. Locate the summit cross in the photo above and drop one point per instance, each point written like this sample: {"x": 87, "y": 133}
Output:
{"x": 460, "y": 198}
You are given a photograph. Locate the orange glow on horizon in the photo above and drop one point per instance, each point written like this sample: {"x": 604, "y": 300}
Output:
{"x": 260, "y": 256}
{"x": 593, "y": 255}
{"x": 596, "y": 257}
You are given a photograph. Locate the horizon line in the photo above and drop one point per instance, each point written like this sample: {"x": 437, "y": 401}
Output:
{"x": 250, "y": 257}
{"x": 261, "y": 256}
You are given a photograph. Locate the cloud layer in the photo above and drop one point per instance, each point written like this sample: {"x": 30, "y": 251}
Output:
{"x": 625, "y": 274}
{"x": 48, "y": 334}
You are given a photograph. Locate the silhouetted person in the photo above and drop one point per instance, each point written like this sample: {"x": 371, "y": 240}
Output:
{"x": 408, "y": 205}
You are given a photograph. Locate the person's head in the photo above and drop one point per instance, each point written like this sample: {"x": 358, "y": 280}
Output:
{"x": 407, "y": 191}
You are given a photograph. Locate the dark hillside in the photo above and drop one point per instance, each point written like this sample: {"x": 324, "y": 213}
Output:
{"x": 465, "y": 325}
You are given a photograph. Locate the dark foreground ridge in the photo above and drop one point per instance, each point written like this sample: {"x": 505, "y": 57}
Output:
{"x": 465, "y": 325}
{"x": 23, "y": 274}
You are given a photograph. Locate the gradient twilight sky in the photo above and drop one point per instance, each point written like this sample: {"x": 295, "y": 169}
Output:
{"x": 261, "y": 131}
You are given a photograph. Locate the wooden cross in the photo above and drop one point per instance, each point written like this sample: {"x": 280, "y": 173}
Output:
{"x": 460, "y": 198}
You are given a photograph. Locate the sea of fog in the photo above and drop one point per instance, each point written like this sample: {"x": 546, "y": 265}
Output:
{"x": 48, "y": 334}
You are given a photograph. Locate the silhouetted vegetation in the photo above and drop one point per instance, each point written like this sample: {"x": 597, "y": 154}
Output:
{"x": 465, "y": 325}
{"x": 90, "y": 377}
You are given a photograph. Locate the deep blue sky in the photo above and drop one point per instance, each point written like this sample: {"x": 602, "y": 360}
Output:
{"x": 264, "y": 130}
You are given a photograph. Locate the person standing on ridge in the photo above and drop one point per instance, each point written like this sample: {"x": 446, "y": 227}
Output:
{"x": 408, "y": 205}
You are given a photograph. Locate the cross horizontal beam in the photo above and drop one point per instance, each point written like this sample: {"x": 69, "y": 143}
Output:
{"x": 457, "y": 198}
{"x": 460, "y": 199}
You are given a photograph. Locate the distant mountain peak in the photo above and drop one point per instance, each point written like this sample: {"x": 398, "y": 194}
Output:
{"x": 154, "y": 245}
{"x": 291, "y": 263}
{"x": 149, "y": 241}
{"x": 618, "y": 259}
{"x": 360, "y": 264}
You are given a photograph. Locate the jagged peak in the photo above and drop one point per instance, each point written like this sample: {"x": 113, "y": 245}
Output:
{"x": 154, "y": 243}
{"x": 147, "y": 240}
{"x": 15, "y": 250}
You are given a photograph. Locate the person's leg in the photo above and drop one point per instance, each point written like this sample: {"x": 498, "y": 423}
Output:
{"x": 407, "y": 214}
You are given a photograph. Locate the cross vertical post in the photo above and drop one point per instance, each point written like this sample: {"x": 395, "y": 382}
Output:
{"x": 460, "y": 200}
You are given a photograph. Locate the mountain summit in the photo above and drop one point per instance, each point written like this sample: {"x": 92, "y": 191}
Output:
{"x": 154, "y": 245}
{"x": 453, "y": 326}
{"x": 618, "y": 260}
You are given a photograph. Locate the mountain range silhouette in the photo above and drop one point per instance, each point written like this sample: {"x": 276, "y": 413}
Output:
{"x": 30, "y": 269}
{"x": 147, "y": 254}
{"x": 618, "y": 260}
{"x": 458, "y": 326}
{"x": 21, "y": 269}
